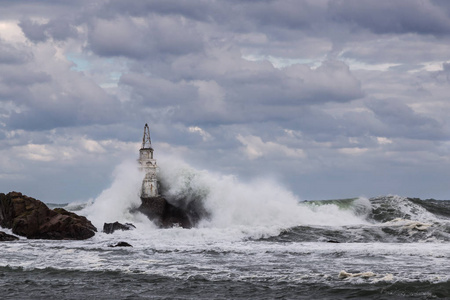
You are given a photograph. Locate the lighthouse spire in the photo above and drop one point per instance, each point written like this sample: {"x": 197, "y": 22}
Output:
{"x": 146, "y": 141}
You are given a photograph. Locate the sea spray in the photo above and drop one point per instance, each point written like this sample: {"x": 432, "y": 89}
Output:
{"x": 338, "y": 212}
{"x": 258, "y": 208}
{"x": 261, "y": 205}
{"x": 236, "y": 209}
{"x": 114, "y": 203}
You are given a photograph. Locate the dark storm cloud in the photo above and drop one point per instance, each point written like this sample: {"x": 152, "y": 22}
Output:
{"x": 235, "y": 14}
{"x": 403, "y": 16}
{"x": 33, "y": 31}
{"x": 15, "y": 83}
{"x": 181, "y": 27}
{"x": 290, "y": 14}
{"x": 157, "y": 92}
{"x": 138, "y": 39}
{"x": 45, "y": 9}
{"x": 226, "y": 88}
{"x": 443, "y": 76}
{"x": 407, "y": 50}
{"x": 278, "y": 20}
{"x": 197, "y": 10}
{"x": 399, "y": 120}
{"x": 14, "y": 77}
{"x": 52, "y": 96}
{"x": 58, "y": 29}
{"x": 296, "y": 85}
{"x": 52, "y": 105}
{"x": 10, "y": 54}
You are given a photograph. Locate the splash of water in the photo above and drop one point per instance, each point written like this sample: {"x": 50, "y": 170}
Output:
{"x": 259, "y": 203}
{"x": 261, "y": 207}
{"x": 115, "y": 202}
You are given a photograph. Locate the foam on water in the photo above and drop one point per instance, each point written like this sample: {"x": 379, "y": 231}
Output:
{"x": 343, "y": 274}
{"x": 408, "y": 224}
{"x": 223, "y": 259}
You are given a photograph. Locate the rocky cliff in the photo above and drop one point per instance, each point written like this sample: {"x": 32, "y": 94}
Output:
{"x": 31, "y": 218}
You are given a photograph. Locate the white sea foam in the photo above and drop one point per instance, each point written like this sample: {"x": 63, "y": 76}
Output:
{"x": 343, "y": 274}
{"x": 387, "y": 277}
{"x": 408, "y": 224}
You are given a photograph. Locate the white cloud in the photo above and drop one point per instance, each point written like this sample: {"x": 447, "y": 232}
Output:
{"x": 255, "y": 147}
{"x": 11, "y": 32}
{"x": 383, "y": 140}
{"x": 70, "y": 150}
{"x": 195, "y": 129}
{"x": 353, "y": 151}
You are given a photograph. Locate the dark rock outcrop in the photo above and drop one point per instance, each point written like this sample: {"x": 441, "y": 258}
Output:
{"x": 31, "y": 218}
{"x": 193, "y": 208}
{"x": 168, "y": 212}
{"x": 164, "y": 214}
{"x": 111, "y": 227}
{"x": 120, "y": 244}
{"x": 4, "y": 237}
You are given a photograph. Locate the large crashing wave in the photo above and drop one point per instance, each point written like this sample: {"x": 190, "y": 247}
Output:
{"x": 262, "y": 203}
{"x": 259, "y": 208}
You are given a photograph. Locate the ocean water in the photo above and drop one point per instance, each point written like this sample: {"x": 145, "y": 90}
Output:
{"x": 260, "y": 242}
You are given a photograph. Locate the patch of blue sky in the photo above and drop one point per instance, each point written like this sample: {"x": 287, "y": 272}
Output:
{"x": 115, "y": 76}
{"x": 80, "y": 64}
{"x": 113, "y": 68}
{"x": 112, "y": 80}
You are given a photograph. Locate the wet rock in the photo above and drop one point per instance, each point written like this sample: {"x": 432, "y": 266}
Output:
{"x": 164, "y": 214}
{"x": 111, "y": 227}
{"x": 4, "y": 237}
{"x": 120, "y": 244}
{"x": 31, "y": 218}
{"x": 173, "y": 212}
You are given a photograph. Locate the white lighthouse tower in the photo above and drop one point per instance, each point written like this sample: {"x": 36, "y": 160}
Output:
{"x": 148, "y": 164}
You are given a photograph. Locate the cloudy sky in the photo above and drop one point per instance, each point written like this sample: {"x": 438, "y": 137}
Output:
{"x": 331, "y": 98}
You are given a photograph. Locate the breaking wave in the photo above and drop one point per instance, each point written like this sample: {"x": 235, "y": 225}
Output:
{"x": 263, "y": 208}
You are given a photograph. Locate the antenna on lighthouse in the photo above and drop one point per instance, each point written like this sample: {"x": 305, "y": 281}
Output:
{"x": 146, "y": 141}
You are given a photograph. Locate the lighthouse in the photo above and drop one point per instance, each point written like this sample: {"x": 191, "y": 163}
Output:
{"x": 148, "y": 164}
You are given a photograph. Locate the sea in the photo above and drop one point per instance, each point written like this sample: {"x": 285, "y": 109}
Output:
{"x": 260, "y": 241}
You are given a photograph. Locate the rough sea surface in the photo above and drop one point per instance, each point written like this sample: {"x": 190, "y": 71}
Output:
{"x": 261, "y": 242}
